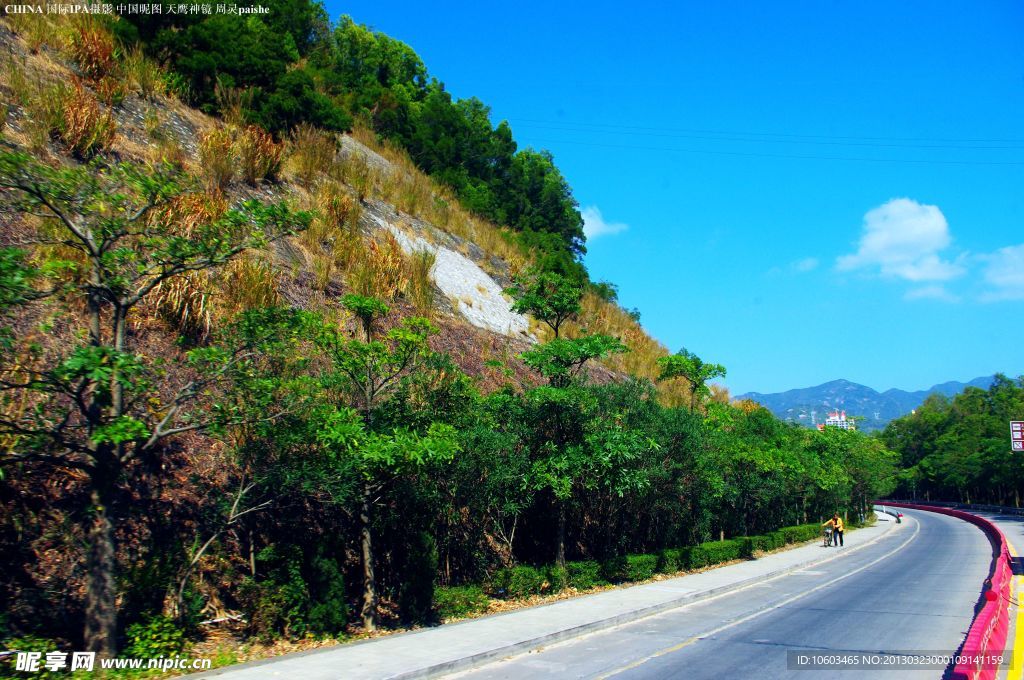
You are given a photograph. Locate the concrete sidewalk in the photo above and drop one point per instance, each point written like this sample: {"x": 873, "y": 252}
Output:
{"x": 444, "y": 649}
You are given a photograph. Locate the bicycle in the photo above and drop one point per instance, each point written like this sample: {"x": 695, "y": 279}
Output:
{"x": 827, "y": 538}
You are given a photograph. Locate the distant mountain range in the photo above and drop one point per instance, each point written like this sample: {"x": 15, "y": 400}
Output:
{"x": 810, "y": 405}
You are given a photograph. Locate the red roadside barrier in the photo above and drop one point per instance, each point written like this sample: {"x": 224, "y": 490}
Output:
{"x": 986, "y": 638}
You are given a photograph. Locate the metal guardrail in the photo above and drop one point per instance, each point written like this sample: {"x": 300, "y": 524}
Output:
{"x": 1001, "y": 509}
{"x": 986, "y": 637}
{"x": 880, "y": 507}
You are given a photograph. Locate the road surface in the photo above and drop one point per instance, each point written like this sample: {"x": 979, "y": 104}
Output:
{"x": 912, "y": 593}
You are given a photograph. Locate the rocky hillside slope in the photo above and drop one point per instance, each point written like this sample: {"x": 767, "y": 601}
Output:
{"x": 391, "y": 216}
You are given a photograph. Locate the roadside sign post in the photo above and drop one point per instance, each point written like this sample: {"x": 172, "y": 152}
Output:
{"x": 1017, "y": 435}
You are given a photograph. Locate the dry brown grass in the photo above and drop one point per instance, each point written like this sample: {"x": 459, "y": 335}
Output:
{"x": 184, "y": 302}
{"x": 40, "y": 100}
{"x": 407, "y": 188}
{"x": 312, "y": 153}
{"x": 232, "y": 102}
{"x": 420, "y": 289}
{"x": 259, "y": 156}
{"x": 217, "y": 158}
{"x": 142, "y": 74}
{"x": 332, "y": 242}
{"x": 162, "y": 147}
{"x": 85, "y": 129}
{"x": 188, "y": 211}
{"x": 91, "y": 47}
{"x": 37, "y": 30}
{"x": 249, "y": 282}
{"x": 380, "y": 270}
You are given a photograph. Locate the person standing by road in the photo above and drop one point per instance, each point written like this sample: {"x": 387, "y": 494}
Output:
{"x": 837, "y": 533}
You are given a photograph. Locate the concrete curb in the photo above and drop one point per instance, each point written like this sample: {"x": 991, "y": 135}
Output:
{"x": 473, "y": 660}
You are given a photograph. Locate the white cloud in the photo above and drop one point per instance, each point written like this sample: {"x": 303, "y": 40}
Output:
{"x": 931, "y": 293}
{"x": 1004, "y": 274}
{"x": 805, "y": 265}
{"x": 594, "y": 224}
{"x": 903, "y": 239}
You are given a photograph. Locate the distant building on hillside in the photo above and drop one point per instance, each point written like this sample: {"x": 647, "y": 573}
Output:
{"x": 838, "y": 419}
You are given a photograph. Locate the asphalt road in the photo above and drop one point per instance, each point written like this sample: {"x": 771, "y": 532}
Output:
{"x": 912, "y": 592}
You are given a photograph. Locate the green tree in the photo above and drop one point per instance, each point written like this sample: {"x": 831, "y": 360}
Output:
{"x": 686, "y": 364}
{"x": 548, "y": 297}
{"x": 571, "y": 447}
{"x": 98, "y": 405}
{"x": 367, "y": 372}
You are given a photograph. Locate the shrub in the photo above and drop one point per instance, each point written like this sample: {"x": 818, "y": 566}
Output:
{"x": 801, "y": 533}
{"x": 32, "y": 643}
{"x": 299, "y": 596}
{"x": 697, "y": 557}
{"x": 615, "y": 569}
{"x": 672, "y": 560}
{"x": 312, "y": 152}
{"x": 328, "y": 613}
{"x": 258, "y": 154}
{"x": 584, "y": 575}
{"x": 641, "y": 567}
{"x": 217, "y": 158}
{"x": 84, "y": 128}
{"x": 274, "y": 607}
{"x": 416, "y": 595}
{"x": 155, "y": 636}
{"x": 723, "y": 551}
{"x": 557, "y": 578}
{"x": 518, "y": 582}
{"x": 459, "y": 602}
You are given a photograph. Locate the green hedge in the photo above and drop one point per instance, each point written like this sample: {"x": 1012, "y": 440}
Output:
{"x": 584, "y": 575}
{"x": 801, "y": 533}
{"x": 613, "y": 569}
{"x": 523, "y": 581}
{"x": 460, "y": 601}
{"x": 641, "y": 567}
{"x": 671, "y": 560}
{"x": 717, "y": 552}
{"x": 515, "y": 582}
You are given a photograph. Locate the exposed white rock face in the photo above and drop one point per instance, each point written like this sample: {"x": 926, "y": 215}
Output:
{"x": 472, "y": 291}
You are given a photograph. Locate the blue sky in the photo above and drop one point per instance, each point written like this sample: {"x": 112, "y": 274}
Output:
{"x": 800, "y": 191}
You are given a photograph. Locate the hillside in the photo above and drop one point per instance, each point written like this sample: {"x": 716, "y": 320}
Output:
{"x": 266, "y": 379}
{"x": 809, "y": 405}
